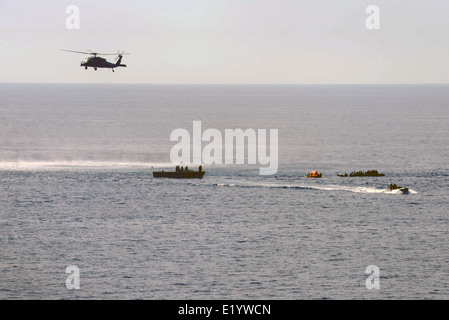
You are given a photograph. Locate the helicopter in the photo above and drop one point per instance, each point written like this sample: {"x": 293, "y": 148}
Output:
{"x": 95, "y": 61}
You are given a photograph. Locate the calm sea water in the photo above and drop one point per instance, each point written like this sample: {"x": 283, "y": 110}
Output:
{"x": 76, "y": 189}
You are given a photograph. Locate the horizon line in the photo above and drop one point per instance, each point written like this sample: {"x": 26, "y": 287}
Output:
{"x": 233, "y": 84}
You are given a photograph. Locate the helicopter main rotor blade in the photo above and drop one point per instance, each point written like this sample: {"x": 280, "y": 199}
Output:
{"x": 95, "y": 53}
{"x": 112, "y": 54}
{"x": 76, "y": 51}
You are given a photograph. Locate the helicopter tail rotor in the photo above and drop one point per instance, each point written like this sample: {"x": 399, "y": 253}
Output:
{"x": 119, "y": 58}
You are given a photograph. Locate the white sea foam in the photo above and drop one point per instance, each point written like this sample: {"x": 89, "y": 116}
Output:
{"x": 314, "y": 187}
{"x": 54, "y": 165}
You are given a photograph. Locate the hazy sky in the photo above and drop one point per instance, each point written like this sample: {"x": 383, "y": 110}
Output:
{"x": 228, "y": 41}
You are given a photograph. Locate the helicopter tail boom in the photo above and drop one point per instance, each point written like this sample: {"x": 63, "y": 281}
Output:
{"x": 118, "y": 63}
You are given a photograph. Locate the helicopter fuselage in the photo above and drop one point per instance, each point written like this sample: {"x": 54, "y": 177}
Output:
{"x": 98, "y": 62}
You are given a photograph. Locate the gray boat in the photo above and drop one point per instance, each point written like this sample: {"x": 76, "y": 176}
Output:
{"x": 180, "y": 173}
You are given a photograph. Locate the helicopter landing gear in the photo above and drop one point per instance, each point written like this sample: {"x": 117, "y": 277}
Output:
{"x": 85, "y": 68}
{"x": 95, "y": 69}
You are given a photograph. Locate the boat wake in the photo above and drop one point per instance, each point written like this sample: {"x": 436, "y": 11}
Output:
{"x": 64, "y": 165}
{"x": 308, "y": 187}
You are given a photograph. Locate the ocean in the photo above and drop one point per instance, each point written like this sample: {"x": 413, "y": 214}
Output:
{"x": 76, "y": 189}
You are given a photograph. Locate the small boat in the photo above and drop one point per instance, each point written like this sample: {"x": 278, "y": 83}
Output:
{"x": 314, "y": 174}
{"x": 369, "y": 173}
{"x": 180, "y": 173}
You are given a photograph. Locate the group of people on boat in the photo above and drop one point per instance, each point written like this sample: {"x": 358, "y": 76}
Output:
{"x": 369, "y": 173}
{"x": 182, "y": 169}
{"x": 394, "y": 186}
{"x": 186, "y": 169}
